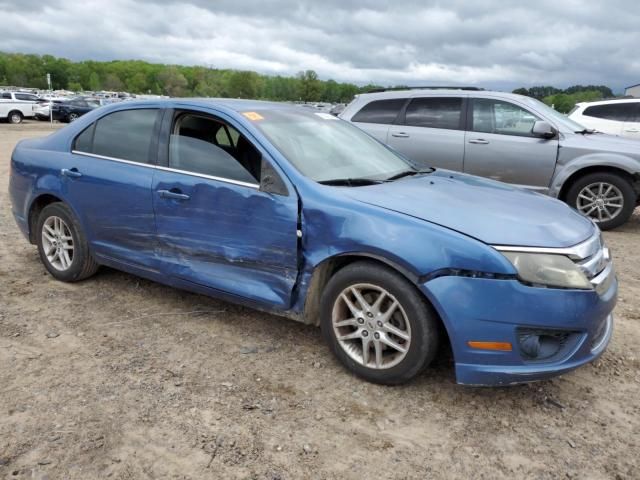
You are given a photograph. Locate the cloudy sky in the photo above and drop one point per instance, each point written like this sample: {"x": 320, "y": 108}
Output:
{"x": 483, "y": 42}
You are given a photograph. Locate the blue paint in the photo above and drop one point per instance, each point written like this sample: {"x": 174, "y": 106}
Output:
{"x": 241, "y": 244}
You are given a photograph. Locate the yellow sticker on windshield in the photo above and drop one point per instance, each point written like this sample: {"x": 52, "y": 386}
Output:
{"x": 253, "y": 116}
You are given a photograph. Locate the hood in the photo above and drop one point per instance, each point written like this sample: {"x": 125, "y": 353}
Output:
{"x": 490, "y": 211}
{"x": 601, "y": 142}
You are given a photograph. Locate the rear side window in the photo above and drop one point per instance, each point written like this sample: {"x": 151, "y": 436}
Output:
{"x": 380, "y": 111}
{"x": 6, "y": 95}
{"x": 435, "y": 112}
{"x": 613, "y": 111}
{"x": 125, "y": 135}
{"x": 27, "y": 97}
{"x": 84, "y": 141}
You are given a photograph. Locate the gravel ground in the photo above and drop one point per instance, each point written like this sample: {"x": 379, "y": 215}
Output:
{"x": 119, "y": 377}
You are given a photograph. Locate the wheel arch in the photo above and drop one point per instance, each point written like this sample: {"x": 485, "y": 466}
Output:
{"x": 37, "y": 205}
{"x": 633, "y": 178}
{"x": 331, "y": 265}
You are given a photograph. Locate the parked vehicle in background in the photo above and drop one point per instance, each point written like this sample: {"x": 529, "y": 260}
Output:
{"x": 615, "y": 117}
{"x": 510, "y": 138}
{"x": 16, "y": 106}
{"x": 19, "y": 96}
{"x": 73, "y": 109}
{"x": 42, "y": 108}
{"x": 296, "y": 212}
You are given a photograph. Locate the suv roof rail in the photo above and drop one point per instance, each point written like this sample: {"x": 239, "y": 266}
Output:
{"x": 431, "y": 87}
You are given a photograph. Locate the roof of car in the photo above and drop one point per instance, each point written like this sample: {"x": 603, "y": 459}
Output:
{"x": 438, "y": 92}
{"x": 239, "y": 105}
{"x": 609, "y": 101}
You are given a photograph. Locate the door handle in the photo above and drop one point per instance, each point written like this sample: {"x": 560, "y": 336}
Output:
{"x": 632, "y": 130}
{"x": 400, "y": 134}
{"x": 174, "y": 194}
{"x": 479, "y": 141}
{"x": 70, "y": 172}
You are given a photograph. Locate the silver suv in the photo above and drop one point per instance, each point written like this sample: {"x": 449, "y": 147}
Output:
{"x": 510, "y": 138}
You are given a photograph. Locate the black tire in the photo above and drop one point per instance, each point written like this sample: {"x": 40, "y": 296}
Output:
{"x": 423, "y": 322}
{"x": 15, "y": 117}
{"x": 72, "y": 117}
{"x": 82, "y": 263}
{"x": 629, "y": 196}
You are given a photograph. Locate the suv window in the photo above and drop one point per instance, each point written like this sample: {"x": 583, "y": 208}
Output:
{"x": 503, "y": 118}
{"x": 26, "y": 96}
{"x": 197, "y": 145}
{"x": 611, "y": 111}
{"x": 6, "y": 95}
{"x": 435, "y": 112}
{"x": 123, "y": 135}
{"x": 380, "y": 111}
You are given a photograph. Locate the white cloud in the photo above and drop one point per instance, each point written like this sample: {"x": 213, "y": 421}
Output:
{"x": 415, "y": 42}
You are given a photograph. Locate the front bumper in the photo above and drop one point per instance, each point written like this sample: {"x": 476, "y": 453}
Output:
{"x": 478, "y": 309}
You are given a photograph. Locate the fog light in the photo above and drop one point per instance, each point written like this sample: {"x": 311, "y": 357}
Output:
{"x": 541, "y": 345}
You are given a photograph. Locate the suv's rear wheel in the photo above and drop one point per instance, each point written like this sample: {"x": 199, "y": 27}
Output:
{"x": 378, "y": 324}
{"x": 15, "y": 117}
{"x": 607, "y": 198}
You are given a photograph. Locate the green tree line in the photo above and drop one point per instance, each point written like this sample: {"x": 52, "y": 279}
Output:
{"x": 564, "y": 100}
{"x": 135, "y": 76}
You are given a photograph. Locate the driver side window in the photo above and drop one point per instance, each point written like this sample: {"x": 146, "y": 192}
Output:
{"x": 206, "y": 145}
{"x": 503, "y": 118}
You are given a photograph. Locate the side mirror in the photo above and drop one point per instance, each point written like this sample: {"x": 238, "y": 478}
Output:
{"x": 542, "y": 129}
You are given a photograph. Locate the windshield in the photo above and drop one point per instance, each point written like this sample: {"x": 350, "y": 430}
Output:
{"x": 323, "y": 147}
{"x": 554, "y": 114}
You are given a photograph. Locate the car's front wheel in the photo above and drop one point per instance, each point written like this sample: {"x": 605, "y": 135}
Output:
{"x": 377, "y": 323}
{"x": 609, "y": 199}
{"x": 73, "y": 117}
{"x": 62, "y": 246}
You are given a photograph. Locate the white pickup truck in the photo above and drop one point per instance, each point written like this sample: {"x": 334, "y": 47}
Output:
{"x": 15, "y": 106}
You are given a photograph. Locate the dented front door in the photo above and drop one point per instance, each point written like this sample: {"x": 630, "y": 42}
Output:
{"x": 230, "y": 237}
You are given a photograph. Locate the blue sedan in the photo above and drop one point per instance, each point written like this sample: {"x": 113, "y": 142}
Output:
{"x": 301, "y": 214}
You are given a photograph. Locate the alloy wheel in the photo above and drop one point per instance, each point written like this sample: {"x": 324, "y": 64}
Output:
{"x": 57, "y": 243}
{"x": 371, "y": 326}
{"x": 73, "y": 117}
{"x": 601, "y": 201}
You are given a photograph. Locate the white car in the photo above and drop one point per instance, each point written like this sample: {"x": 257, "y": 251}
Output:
{"x": 615, "y": 117}
{"x": 15, "y": 106}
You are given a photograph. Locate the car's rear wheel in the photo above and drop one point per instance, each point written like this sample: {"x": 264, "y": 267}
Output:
{"x": 15, "y": 117}
{"x": 62, "y": 246}
{"x": 607, "y": 198}
{"x": 73, "y": 117}
{"x": 378, "y": 324}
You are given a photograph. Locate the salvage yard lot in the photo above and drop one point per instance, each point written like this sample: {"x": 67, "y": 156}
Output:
{"x": 120, "y": 377}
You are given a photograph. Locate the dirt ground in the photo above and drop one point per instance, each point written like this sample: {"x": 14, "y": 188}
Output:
{"x": 118, "y": 377}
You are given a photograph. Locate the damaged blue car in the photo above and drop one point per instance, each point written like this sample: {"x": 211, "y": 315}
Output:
{"x": 301, "y": 214}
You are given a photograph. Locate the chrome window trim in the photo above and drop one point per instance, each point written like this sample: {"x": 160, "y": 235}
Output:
{"x": 255, "y": 186}
{"x": 209, "y": 177}
{"x": 579, "y": 251}
{"x": 104, "y": 157}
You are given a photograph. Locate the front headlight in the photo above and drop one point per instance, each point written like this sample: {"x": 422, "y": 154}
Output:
{"x": 548, "y": 270}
